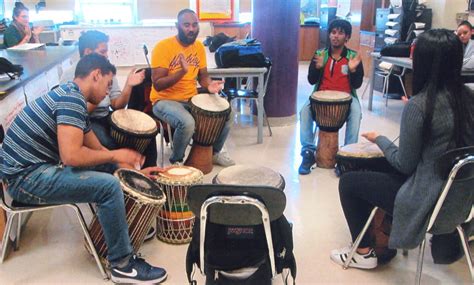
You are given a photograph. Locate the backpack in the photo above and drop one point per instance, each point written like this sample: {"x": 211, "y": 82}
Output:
{"x": 241, "y": 53}
{"x": 230, "y": 248}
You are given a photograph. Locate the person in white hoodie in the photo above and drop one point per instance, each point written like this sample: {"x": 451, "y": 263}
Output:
{"x": 464, "y": 32}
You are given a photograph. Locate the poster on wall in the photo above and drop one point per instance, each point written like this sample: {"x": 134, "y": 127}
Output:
{"x": 343, "y": 8}
{"x": 215, "y": 10}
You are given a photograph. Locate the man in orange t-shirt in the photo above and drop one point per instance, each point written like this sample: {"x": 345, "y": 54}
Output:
{"x": 176, "y": 64}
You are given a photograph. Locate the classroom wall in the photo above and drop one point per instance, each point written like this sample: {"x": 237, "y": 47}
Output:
{"x": 444, "y": 12}
{"x": 146, "y": 9}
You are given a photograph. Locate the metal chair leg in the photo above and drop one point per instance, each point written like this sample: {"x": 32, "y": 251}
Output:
{"x": 419, "y": 266}
{"x": 89, "y": 240}
{"x": 386, "y": 93}
{"x": 6, "y": 236}
{"x": 467, "y": 252}
{"x": 268, "y": 123}
{"x": 162, "y": 145}
{"x": 359, "y": 238}
{"x": 403, "y": 86}
{"x": 18, "y": 233}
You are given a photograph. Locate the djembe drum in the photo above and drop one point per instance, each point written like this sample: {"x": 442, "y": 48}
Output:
{"x": 330, "y": 111}
{"x": 175, "y": 220}
{"x": 210, "y": 114}
{"x": 365, "y": 156}
{"x": 250, "y": 175}
{"x": 143, "y": 199}
{"x": 132, "y": 129}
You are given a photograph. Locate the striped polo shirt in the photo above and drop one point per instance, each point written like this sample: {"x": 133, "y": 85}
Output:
{"x": 32, "y": 138}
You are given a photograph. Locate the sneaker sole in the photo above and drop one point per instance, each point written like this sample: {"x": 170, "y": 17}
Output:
{"x": 121, "y": 280}
{"x": 352, "y": 264}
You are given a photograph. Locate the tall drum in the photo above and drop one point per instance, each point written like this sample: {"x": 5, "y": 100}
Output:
{"x": 175, "y": 220}
{"x": 143, "y": 199}
{"x": 210, "y": 114}
{"x": 330, "y": 111}
{"x": 132, "y": 129}
{"x": 250, "y": 175}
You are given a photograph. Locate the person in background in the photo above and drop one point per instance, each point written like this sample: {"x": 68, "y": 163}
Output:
{"x": 336, "y": 68}
{"x": 464, "y": 32}
{"x": 176, "y": 64}
{"x": 19, "y": 32}
{"x": 50, "y": 155}
{"x": 440, "y": 117}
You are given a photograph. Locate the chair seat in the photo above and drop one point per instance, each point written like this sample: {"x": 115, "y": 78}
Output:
{"x": 16, "y": 204}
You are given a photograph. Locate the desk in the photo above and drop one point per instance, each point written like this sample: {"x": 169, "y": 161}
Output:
{"x": 405, "y": 62}
{"x": 257, "y": 72}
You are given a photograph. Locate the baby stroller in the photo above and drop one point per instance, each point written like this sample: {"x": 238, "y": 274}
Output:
{"x": 240, "y": 235}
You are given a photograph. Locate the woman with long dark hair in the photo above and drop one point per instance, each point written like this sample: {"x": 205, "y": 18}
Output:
{"x": 437, "y": 119}
{"x": 19, "y": 32}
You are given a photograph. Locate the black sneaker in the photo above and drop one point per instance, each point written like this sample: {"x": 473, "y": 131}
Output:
{"x": 308, "y": 161}
{"x": 138, "y": 271}
{"x": 151, "y": 234}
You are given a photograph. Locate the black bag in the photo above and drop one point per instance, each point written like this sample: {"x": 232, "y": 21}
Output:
{"x": 401, "y": 49}
{"x": 6, "y": 67}
{"x": 230, "y": 248}
{"x": 216, "y": 41}
{"x": 241, "y": 53}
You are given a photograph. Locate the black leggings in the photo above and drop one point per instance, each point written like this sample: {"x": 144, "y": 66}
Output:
{"x": 360, "y": 192}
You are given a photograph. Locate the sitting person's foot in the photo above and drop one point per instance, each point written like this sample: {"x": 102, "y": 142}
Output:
{"x": 138, "y": 271}
{"x": 222, "y": 159}
{"x": 307, "y": 163}
{"x": 363, "y": 261}
{"x": 151, "y": 234}
{"x": 177, "y": 163}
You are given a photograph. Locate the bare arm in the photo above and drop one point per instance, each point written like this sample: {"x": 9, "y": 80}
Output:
{"x": 134, "y": 78}
{"x": 73, "y": 150}
{"x": 163, "y": 80}
{"x": 91, "y": 141}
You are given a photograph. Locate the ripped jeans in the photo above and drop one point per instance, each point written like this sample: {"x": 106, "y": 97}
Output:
{"x": 56, "y": 184}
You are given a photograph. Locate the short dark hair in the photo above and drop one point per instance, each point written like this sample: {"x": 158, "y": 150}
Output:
{"x": 184, "y": 11}
{"x": 465, "y": 23}
{"x": 18, "y": 8}
{"x": 91, "y": 62}
{"x": 91, "y": 39}
{"x": 341, "y": 24}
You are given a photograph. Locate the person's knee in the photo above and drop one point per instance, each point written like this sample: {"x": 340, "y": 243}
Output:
{"x": 188, "y": 126}
{"x": 110, "y": 188}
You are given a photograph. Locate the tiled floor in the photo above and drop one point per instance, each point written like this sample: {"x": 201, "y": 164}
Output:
{"x": 52, "y": 248}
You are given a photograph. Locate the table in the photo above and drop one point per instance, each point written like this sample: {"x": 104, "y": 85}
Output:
{"x": 405, "y": 62}
{"x": 254, "y": 72}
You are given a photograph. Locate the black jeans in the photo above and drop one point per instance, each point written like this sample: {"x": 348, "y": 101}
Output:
{"x": 360, "y": 192}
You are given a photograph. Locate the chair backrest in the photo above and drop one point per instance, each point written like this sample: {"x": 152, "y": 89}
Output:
{"x": 456, "y": 165}
{"x": 239, "y": 215}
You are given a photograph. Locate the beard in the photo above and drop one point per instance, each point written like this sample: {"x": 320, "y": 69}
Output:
{"x": 187, "y": 39}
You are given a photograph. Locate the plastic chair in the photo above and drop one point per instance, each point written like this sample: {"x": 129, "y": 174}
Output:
{"x": 247, "y": 93}
{"x": 236, "y": 206}
{"x": 16, "y": 209}
{"x": 455, "y": 165}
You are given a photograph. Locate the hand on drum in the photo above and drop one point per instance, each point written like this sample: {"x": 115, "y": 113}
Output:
{"x": 128, "y": 158}
{"x": 370, "y": 136}
{"x": 135, "y": 77}
{"x": 215, "y": 87}
{"x": 152, "y": 171}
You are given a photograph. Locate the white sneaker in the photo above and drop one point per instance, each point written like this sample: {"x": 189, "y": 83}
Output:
{"x": 177, "y": 163}
{"x": 366, "y": 261}
{"x": 222, "y": 159}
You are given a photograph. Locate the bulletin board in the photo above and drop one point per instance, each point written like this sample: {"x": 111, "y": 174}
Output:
{"x": 215, "y": 9}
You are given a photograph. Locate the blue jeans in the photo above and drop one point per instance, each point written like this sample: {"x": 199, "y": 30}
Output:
{"x": 56, "y": 184}
{"x": 177, "y": 115}
{"x": 308, "y": 126}
{"x": 101, "y": 128}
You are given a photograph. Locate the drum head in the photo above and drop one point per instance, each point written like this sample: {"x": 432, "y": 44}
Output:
{"x": 180, "y": 175}
{"x": 133, "y": 121}
{"x": 331, "y": 96}
{"x": 210, "y": 102}
{"x": 361, "y": 150}
{"x": 249, "y": 175}
{"x": 139, "y": 186}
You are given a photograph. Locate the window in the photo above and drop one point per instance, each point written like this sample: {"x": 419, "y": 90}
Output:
{"x": 106, "y": 11}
